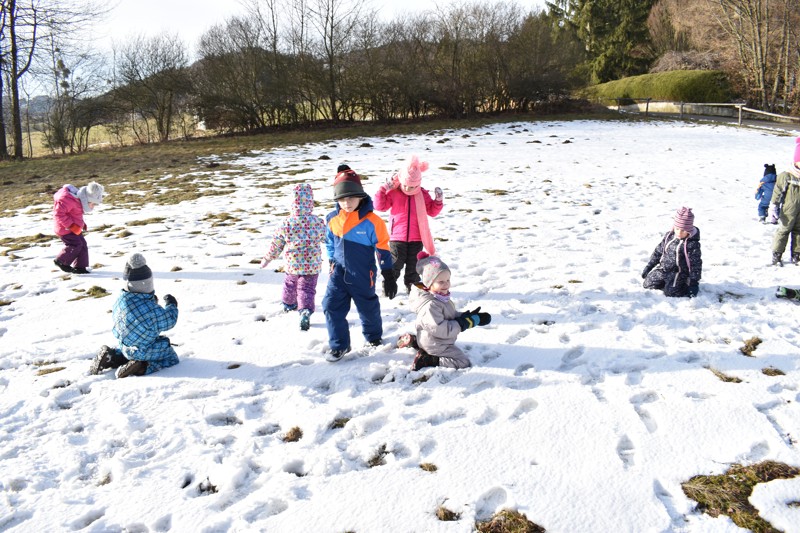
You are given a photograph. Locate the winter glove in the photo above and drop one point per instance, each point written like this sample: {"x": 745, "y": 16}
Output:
{"x": 76, "y": 229}
{"x": 466, "y": 321}
{"x": 392, "y": 182}
{"x": 694, "y": 288}
{"x": 264, "y": 262}
{"x": 772, "y": 215}
{"x": 170, "y": 300}
{"x": 389, "y": 284}
{"x": 646, "y": 271}
{"x": 438, "y": 194}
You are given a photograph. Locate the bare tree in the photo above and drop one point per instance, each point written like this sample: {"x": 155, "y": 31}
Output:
{"x": 335, "y": 22}
{"x": 153, "y": 79}
{"x": 24, "y": 24}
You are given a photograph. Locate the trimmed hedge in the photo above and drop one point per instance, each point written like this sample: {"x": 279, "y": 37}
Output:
{"x": 700, "y": 86}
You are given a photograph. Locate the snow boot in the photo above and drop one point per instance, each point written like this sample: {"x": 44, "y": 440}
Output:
{"x": 763, "y": 220}
{"x": 776, "y": 259}
{"x": 334, "y": 355}
{"x": 107, "y": 358}
{"x": 132, "y": 368}
{"x": 796, "y": 259}
{"x": 406, "y": 340}
{"x": 64, "y": 267}
{"x": 288, "y": 307}
{"x": 305, "y": 319}
{"x": 424, "y": 360}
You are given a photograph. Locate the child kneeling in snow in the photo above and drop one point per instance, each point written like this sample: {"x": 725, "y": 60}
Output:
{"x": 438, "y": 323}
{"x": 676, "y": 266}
{"x": 138, "y": 322}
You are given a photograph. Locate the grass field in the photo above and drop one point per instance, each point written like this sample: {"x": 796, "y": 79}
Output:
{"x": 34, "y": 181}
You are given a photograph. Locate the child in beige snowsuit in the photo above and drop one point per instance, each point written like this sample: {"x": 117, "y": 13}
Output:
{"x": 438, "y": 323}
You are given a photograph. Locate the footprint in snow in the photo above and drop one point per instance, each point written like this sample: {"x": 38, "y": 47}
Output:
{"x": 525, "y": 406}
{"x": 490, "y": 502}
{"x": 625, "y": 451}
{"x": 518, "y": 336}
{"x": 488, "y": 415}
{"x": 570, "y": 358}
{"x": 523, "y": 369}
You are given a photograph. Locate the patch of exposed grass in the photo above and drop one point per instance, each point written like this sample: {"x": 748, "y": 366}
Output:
{"x": 448, "y": 168}
{"x": 293, "y": 435}
{"x": 772, "y": 371}
{"x": 728, "y": 494}
{"x": 339, "y": 423}
{"x": 429, "y": 467}
{"x": 145, "y": 222}
{"x": 4, "y": 303}
{"x": 446, "y": 515}
{"x": 175, "y": 269}
{"x": 496, "y": 192}
{"x": 750, "y": 346}
{"x": 298, "y": 171}
{"x": 379, "y": 458}
{"x": 15, "y": 244}
{"x": 45, "y": 371}
{"x": 92, "y": 292}
{"x": 574, "y": 281}
{"x": 221, "y": 219}
{"x": 508, "y": 521}
{"x": 233, "y": 366}
{"x": 723, "y": 377}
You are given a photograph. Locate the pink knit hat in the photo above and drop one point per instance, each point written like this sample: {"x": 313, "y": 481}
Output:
{"x": 684, "y": 219}
{"x": 796, "y": 159}
{"x": 429, "y": 267}
{"x": 411, "y": 172}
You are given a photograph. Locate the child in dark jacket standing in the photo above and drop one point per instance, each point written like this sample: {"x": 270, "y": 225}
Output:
{"x": 676, "y": 266}
{"x": 300, "y": 235}
{"x": 354, "y": 236}
{"x": 764, "y": 192}
{"x": 409, "y": 206}
{"x": 138, "y": 324}
{"x": 438, "y": 323}
{"x": 69, "y": 205}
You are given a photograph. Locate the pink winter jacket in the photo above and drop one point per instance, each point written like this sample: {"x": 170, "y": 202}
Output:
{"x": 402, "y": 210}
{"x": 67, "y": 210}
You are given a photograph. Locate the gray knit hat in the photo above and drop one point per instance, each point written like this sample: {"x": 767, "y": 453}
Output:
{"x": 138, "y": 275}
{"x": 93, "y": 193}
{"x": 429, "y": 267}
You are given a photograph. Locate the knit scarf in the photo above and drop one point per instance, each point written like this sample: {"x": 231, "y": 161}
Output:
{"x": 422, "y": 220}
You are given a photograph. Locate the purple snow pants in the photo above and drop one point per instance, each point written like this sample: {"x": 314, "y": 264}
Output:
{"x": 300, "y": 290}
{"x": 75, "y": 251}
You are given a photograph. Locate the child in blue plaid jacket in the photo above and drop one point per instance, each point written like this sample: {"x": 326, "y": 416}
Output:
{"x": 138, "y": 324}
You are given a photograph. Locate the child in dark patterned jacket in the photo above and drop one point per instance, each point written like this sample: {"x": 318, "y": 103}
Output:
{"x": 138, "y": 324}
{"x": 676, "y": 266}
{"x": 438, "y": 323}
{"x": 300, "y": 235}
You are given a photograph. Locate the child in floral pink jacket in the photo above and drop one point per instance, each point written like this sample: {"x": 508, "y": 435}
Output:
{"x": 300, "y": 235}
{"x": 410, "y": 206}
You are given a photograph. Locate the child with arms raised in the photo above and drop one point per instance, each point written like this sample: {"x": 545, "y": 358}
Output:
{"x": 409, "y": 206}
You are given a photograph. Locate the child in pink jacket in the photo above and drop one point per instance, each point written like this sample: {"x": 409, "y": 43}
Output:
{"x": 410, "y": 206}
{"x": 69, "y": 205}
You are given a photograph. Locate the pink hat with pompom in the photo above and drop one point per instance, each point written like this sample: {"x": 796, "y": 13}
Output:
{"x": 429, "y": 267}
{"x": 411, "y": 173}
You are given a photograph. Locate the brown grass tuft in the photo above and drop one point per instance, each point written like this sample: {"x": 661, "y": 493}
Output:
{"x": 723, "y": 377}
{"x": 729, "y": 493}
{"x": 772, "y": 371}
{"x": 446, "y": 515}
{"x": 293, "y": 435}
{"x": 379, "y": 458}
{"x": 508, "y": 521}
{"x": 429, "y": 467}
{"x": 750, "y": 346}
{"x": 339, "y": 423}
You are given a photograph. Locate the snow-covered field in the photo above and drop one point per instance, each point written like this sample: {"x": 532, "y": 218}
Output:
{"x": 589, "y": 402}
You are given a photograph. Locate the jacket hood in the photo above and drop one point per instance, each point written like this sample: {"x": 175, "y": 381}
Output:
{"x": 303, "y": 203}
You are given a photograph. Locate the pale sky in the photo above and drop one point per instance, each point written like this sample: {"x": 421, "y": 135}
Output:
{"x": 190, "y": 18}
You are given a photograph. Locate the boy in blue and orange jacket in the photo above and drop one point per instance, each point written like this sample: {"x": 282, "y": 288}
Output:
{"x": 354, "y": 236}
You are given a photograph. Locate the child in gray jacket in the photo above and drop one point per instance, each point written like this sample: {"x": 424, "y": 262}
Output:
{"x": 438, "y": 323}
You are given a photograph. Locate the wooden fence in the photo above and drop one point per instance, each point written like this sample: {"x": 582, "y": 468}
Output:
{"x": 736, "y": 111}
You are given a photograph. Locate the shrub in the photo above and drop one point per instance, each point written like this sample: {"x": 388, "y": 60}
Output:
{"x": 677, "y": 86}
